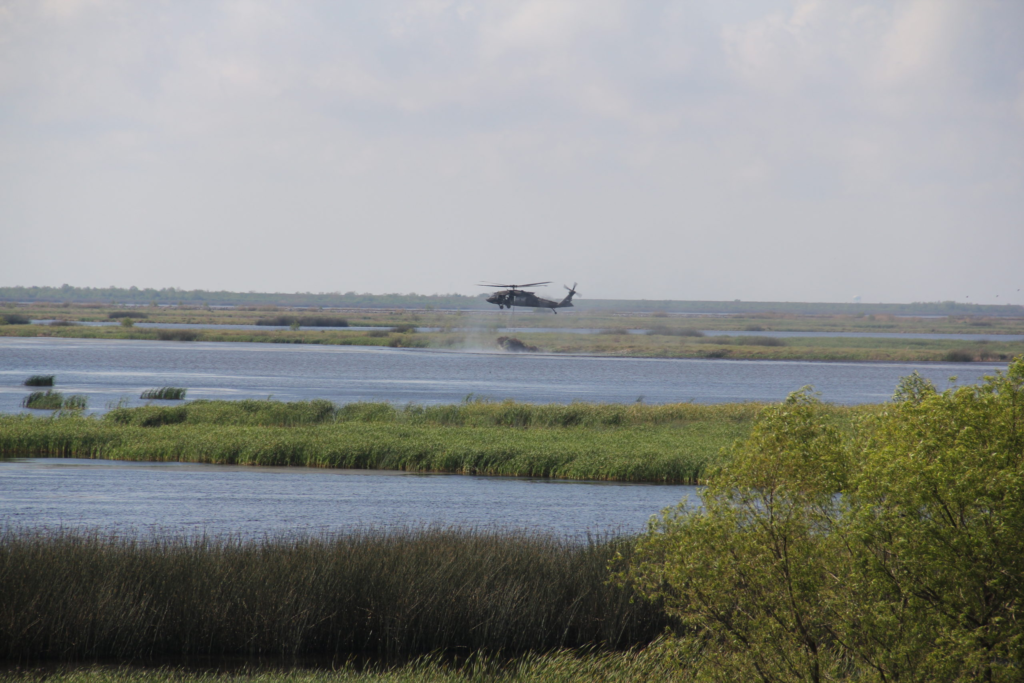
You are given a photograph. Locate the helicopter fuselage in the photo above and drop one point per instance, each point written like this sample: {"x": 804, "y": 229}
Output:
{"x": 509, "y": 298}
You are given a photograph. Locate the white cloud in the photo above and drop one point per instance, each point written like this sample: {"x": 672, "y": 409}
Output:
{"x": 769, "y": 150}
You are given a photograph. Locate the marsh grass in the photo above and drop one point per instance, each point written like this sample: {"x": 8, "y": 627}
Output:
{"x": 392, "y": 594}
{"x": 674, "y": 331}
{"x": 40, "y": 381}
{"x": 583, "y": 665}
{"x": 678, "y": 443}
{"x": 164, "y": 394}
{"x": 747, "y": 341}
{"x": 138, "y": 315}
{"x": 14, "y": 319}
{"x": 303, "y": 321}
{"x": 43, "y": 400}
{"x": 63, "y": 323}
{"x": 54, "y": 400}
{"x": 177, "y": 335}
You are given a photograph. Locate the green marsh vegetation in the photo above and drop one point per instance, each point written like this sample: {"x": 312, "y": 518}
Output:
{"x": 891, "y": 552}
{"x": 390, "y": 595}
{"x": 303, "y": 321}
{"x": 669, "y": 336}
{"x": 40, "y": 381}
{"x": 674, "y": 443}
{"x": 164, "y": 394}
{"x": 873, "y": 544}
{"x": 54, "y": 400}
{"x": 623, "y": 345}
{"x": 563, "y": 666}
{"x": 580, "y": 317}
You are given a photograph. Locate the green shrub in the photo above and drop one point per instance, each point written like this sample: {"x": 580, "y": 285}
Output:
{"x": 958, "y": 356}
{"x": 127, "y": 314}
{"x": 40, "y": 381}
{"x": 14, "y": 319}
{"x": 893, "y": 554}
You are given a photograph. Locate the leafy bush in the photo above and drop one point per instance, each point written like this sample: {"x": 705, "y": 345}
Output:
{"x": 14, "y": 319}
{"x": 896, "y": 554}
{"x": 40, "y": 381}
{"x": 958, "y": 356}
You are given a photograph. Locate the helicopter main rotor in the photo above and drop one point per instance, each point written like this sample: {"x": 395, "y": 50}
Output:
{"x": 515, "y": 287}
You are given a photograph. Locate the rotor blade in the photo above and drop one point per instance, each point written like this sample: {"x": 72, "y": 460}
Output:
{"x": 533, "y": 284}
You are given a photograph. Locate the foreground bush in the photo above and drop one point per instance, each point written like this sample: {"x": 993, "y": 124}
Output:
{"x": 383, "y": 594}
{"x": 894, "y": 555}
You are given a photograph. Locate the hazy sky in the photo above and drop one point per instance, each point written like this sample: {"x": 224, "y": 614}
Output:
{"x": 714, "y": 149}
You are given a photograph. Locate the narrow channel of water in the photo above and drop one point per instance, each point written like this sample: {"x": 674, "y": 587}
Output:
{"x": 178, "y": 498}
{"x": 107, "y": 371}
{"x": 583, "y": 330}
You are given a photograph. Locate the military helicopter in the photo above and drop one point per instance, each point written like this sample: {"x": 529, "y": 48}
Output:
{"x": 513, "y": 295}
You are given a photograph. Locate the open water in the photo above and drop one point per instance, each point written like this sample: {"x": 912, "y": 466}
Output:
{"x": 183, "y": 499}
{"x": 582, "y": 330}
{"x": 107, "y": 371}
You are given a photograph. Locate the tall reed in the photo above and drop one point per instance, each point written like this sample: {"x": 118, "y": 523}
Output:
{"x": 394, "y": 594}
{"x": 43, "y": 400}
{"x": 40, "y": 381}
{"x": 164, "y": 394}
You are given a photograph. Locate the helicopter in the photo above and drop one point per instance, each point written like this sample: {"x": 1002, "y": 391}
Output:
{"x": 513, "y": 295}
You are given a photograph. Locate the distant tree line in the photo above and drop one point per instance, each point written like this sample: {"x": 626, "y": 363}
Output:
{"x": 199, "y": 297}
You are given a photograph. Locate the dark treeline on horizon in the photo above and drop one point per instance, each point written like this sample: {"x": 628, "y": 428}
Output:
{"x": 199, "y": 297}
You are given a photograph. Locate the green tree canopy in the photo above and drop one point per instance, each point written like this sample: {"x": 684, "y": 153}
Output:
{"x": 890, "y": 551}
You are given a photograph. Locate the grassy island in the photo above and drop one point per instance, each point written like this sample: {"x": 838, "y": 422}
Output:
{"x": 675, "y": 443}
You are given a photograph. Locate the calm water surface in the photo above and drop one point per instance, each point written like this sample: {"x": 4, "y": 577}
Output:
{"x": 109, "y": 370}
{"x": 582, "y": 330}
{"x": 178, "y": 498}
